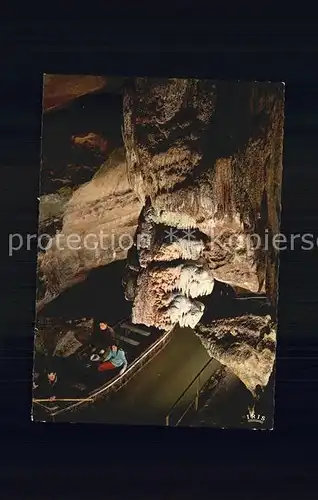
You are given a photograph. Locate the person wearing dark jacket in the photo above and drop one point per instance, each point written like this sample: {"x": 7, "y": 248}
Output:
{"x": 103, "y": 335}
{"x": 107, "y": 332}
{"x": 57, "y": 380}
{"x": 47, "y": 386}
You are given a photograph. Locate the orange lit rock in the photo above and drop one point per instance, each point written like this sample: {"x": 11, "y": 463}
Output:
{"x": 91, "y": 141}
{"x": 59, "y": 90}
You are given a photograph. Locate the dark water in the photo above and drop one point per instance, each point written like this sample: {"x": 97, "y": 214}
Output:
{"x": 223, "y": 302}
{"x": 100, "y": 296}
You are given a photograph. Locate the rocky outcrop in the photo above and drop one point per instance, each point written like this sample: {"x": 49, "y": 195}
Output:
{"x": 173, "y": 289}
{"x": 165, "y": 121}
{"x": 200, "y": 177}
{"x": 245, "y": 344}
{"x": 205, "y": 158}
{"x": 73, "y": 162}
{"x": 99, "y": 223}
{"x": 58, "y": 337}
{"x": 77, "y": 139}
{"x": 91, "y": 141}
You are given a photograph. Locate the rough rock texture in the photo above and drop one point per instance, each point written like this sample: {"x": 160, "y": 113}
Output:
{"x": 55, "y": 336}
{"x": 67, "y": 346}
{"x": 172, "y": 290}
{"x": 61, "y": 89}
{"x": 206, "y": 156}
{"x": 200, "y": 155}
{"x": 78, "y": 142}
{"x": 246, "y": 345}
{"x": 231, "y": 257}
{"x": 201, "y": 174}
{"x": 51, "y": 211}
{"x": 164, "y": 125}
{"x": 77, "y": 139}
{"x": 102, "y": 217}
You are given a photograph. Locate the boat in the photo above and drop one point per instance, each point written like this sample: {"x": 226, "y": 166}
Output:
{"x": 141, "y": 346}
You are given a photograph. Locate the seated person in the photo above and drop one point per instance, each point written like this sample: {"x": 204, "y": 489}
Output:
{"x": 114, "y": 358}
{"x": 57, "y": 380}
{"x": 48, "y": 386}
{"x": 103, "y": 335}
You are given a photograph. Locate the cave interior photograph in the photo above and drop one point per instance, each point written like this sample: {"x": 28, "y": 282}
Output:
{"x": 157, "y": 275}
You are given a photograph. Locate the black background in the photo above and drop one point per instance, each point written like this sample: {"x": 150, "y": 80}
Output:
{"x": 68, "y": 461}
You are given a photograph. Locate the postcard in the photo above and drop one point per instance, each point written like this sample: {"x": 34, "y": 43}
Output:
{"x": 158, "y": 251}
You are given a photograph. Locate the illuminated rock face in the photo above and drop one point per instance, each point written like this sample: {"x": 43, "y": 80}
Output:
{"x": 201, "y": 173}
{"x": 202, "y": 157}
{"x": 173, "y": 290}
{"x": 206, "y": 157}
{"x": 245, "y": 344}
{"x": 104, "y": 206}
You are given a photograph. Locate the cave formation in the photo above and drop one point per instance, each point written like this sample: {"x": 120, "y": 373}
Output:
{"x": 202, "y": 164}
{"x": 205, "y": 158}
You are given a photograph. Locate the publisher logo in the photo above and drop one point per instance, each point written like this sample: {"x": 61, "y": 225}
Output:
{"x": 254, "y": 418}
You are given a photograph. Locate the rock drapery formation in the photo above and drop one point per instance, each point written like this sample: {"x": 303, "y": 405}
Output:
{"x": 204, "y": 158}
{"x": 173, "y": 289}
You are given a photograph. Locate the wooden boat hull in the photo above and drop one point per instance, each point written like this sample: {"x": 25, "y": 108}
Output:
{"x": 52, "y": 409}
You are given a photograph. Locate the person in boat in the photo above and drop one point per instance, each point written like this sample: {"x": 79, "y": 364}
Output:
{"x": 103, "y": 335}
{"x": 56, "y": 381}
{"x": 107, "y": 331}
{"x": 48, "y": 386}
{"x": 114, "y": 358}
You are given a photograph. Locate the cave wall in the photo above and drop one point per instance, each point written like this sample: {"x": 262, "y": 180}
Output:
{"x": 199, "y": 155}
{"x": 105, "y": 205}
{"x": 207, "y": 156}
{"x": 201, "y": 164}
